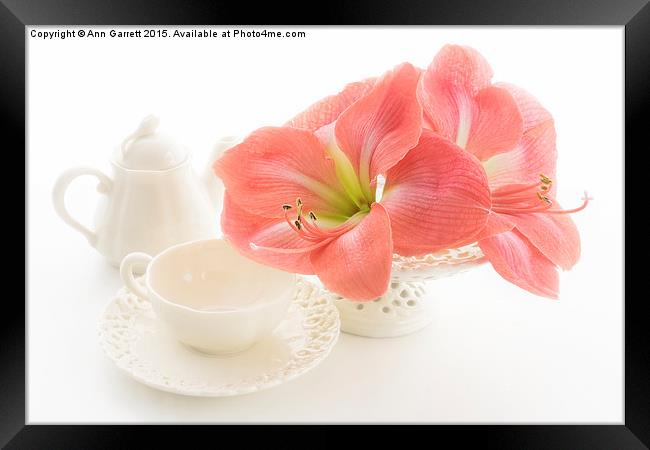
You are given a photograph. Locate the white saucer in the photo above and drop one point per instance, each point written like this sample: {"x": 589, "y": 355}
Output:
{"x": 140, "y": 345}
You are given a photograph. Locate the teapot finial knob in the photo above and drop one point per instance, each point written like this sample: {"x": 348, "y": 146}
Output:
{"x": 148, "y": 126}
{"x": 149, "y": 149}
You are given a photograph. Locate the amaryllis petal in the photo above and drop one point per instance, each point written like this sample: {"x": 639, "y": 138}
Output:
{"x": 555, "y": 235}
{"x": 497, "y": 124}
{"x": 461, "y": 105}
{"x": 496, "y": 224}
{"x": 463, "y": 67}
{"x": 519, "y": 262}
{"x": 435, "y": 196}
{"x": 535, "y": 154}
{"x": 532, "y": 112}
{"x": 427, "y": 123}
{"x": 381, "y": 127}
{"x": 275, "y": 166}
{"x": 242, "y": 229}
{"x": 444, "y": 104}
{"x": 357, "y": 264}
{"x": 448, "y": 86}
{"x": 330, "y": 108}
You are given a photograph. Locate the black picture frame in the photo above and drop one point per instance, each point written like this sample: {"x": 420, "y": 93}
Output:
{"x": 15, "y": 15}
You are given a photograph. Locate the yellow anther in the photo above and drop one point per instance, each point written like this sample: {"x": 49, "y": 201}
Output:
{"x": 299, "y": 205}
{"x": 545, "y": 179}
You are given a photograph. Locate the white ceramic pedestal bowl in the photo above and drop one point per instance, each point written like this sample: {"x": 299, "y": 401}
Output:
{"x": 403, "y": 309}
{"x": 210, "y": 297}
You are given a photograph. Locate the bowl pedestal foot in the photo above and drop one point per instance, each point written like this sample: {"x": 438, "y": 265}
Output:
{"x": 402, "y": 310}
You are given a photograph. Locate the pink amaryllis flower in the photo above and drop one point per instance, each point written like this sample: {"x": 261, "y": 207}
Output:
{"x": 528, "y": 234}
{"x": 303, "y": 198}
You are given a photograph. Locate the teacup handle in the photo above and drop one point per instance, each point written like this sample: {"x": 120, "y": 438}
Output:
{"x": 58, "y": 196}
{"x": 126, "y": 272}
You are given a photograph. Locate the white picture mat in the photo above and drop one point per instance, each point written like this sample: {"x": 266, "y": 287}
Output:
{"x": 495, "y": 353}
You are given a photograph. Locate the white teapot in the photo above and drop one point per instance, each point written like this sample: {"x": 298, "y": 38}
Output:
{"x": 153, "y": 201}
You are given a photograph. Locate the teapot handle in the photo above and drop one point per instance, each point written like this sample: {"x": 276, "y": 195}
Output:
{"x": 58, "y": 196}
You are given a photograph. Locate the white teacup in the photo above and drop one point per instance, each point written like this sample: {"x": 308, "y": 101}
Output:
{"x": 212, "y": 298}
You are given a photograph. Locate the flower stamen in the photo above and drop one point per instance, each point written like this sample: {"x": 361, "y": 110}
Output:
{"x": 519, "y": 199}
{"x": 544, "y": 198}
{"x": 307, "y": 228}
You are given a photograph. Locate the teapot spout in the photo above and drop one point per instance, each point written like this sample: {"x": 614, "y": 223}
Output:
{"x": 213, "y": 185}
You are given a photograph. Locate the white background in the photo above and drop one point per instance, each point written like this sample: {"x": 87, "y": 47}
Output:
{"x": 494, "y": 352}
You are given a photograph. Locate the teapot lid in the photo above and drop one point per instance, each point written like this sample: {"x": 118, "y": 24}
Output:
{"x": 146, "y": 149}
